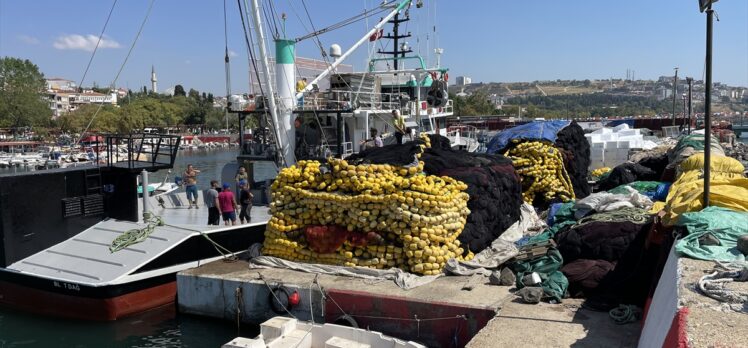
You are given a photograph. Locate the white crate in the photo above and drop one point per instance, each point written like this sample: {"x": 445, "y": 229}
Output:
{"x": 621, "y": 127}
{"x": 628, "y": 132}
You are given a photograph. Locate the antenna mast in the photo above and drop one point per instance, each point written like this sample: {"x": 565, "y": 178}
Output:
{"x": 397, "y": 50}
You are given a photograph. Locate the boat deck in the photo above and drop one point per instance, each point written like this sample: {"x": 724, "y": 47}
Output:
{"x": 86, "y": 258}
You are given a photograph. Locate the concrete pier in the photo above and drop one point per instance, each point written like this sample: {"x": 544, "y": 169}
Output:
{"x": 443, "y": 313}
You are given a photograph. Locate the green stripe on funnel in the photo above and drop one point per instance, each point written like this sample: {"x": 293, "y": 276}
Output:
{"x": 284, "y": 51}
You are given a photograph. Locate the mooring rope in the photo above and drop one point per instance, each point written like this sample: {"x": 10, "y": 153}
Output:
{"x": 136, "y": 235}
{"x": 624, "y": 314}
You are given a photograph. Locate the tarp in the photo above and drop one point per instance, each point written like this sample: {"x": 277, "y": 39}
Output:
{"x": 628, "y": 122}
{"x": 403, "y": 279}
{"x": 724, "y": 225}
{"x": 537, "y": 130}
{"x": 728, "y": 188}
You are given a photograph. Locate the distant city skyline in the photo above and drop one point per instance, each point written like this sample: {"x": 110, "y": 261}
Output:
{"x": 488, "y": 41}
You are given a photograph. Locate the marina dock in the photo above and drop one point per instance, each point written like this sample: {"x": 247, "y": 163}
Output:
{"x": 450, "y": 311}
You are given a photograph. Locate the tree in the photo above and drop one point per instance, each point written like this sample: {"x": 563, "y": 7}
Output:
{"x": 21, "y": 94}
{"x": 179, "y": 91}
{"x": 210, "y": 98}
{"x": 194, "y": 94}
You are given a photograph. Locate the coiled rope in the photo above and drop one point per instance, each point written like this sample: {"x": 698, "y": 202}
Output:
{"x": 624, "y": 314}
{"x": 136, "y": 235}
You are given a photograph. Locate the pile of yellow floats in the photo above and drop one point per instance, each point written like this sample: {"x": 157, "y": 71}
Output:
{"x": 541, "y": 170}
{"x": 415, "y": 219}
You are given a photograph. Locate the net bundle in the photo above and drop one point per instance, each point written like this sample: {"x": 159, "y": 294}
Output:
{"x": 576, "y": 152}
{"x": 369, "y": 215}
{"x": 492, "y": 184}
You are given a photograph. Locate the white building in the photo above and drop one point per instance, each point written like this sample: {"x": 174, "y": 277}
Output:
{"x": 463, "y": 80}
{"x": 61, "y": 103}
{"x": 62, "y": 85}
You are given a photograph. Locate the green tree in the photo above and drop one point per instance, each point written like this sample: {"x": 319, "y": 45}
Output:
{"x": 473, "y": 105}
{"x": 194, "y": 94}
{"x": 179, "y": 91}
{"x": 210, "y": 98}
{"x": 21, "y": 94}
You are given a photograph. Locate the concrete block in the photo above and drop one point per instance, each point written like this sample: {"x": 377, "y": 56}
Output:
{"x": 624, "y": 144}
{"x": 611, "y": 144}
{"x": 607, "y": 137}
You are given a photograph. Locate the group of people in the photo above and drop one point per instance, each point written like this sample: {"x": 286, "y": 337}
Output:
{"x": 220, "y": 199}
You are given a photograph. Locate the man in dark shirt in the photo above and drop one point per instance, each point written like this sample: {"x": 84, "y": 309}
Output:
{"x": 245, "y": 200}
{"x": 210, "y": 198}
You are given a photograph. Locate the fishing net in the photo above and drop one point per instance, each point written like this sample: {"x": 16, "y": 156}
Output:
{"x": 400, "y": 155}
{"x": 493, "y": 187}
{"x": 576, "y": 157}
{"x": 368, "y": 215}
{"x": 627, "y": 173}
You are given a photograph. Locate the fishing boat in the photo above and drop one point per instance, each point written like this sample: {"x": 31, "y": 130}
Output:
{"x": 72, "y": 264}
{"x": 339, "y": 120}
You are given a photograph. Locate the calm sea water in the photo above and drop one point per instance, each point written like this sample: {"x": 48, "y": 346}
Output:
{"x": 161, "y": 327}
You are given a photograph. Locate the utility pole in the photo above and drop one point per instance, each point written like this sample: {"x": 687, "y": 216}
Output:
{"x": 708, "y": 103}
{"x": 675, "y": 92}
{"x": 690, "y": 101}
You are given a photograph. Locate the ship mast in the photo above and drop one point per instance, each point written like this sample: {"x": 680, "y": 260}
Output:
{"x": 281, "y": 142}
{"x": 397, "y": 51}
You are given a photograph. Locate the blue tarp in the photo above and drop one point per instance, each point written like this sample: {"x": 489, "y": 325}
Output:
{"x": 537, "y": 130}
{"x": 614, "y": 123}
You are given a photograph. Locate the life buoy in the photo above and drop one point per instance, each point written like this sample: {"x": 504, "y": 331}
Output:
{"x": 446, "y": 77}
{"x": 282, "y": 300}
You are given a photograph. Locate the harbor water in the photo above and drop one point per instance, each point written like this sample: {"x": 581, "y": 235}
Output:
{"x": 162, "y": 327}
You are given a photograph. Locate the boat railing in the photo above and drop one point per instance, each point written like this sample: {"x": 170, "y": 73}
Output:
{"x": 149, "y": 152}
{"x": 346, "y": 99}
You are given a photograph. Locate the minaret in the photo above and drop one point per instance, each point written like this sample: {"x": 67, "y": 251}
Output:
{"x": 154, "y": 88}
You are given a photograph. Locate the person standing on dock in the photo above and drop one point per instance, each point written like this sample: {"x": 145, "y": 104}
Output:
{"x": 227, "y": 203}
{"x": 190, "y": 184}
{"x": 210, "y": 198}
{"x": 245, "y": 199}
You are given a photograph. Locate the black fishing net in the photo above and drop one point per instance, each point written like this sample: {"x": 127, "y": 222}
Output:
{"x": 627, "y": 173}
{"x": 394, "y": 154}
{"x": 655, "y": 163}
{"x": 576, "y": 157}
{"x": 439, "y": 142}
{"x": 493, "y": 186}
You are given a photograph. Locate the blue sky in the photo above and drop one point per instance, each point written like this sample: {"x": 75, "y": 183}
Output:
{"x": 495, "y": 40}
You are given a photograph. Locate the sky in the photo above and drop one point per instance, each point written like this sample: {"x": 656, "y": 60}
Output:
{"x": 489, "y": 41}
